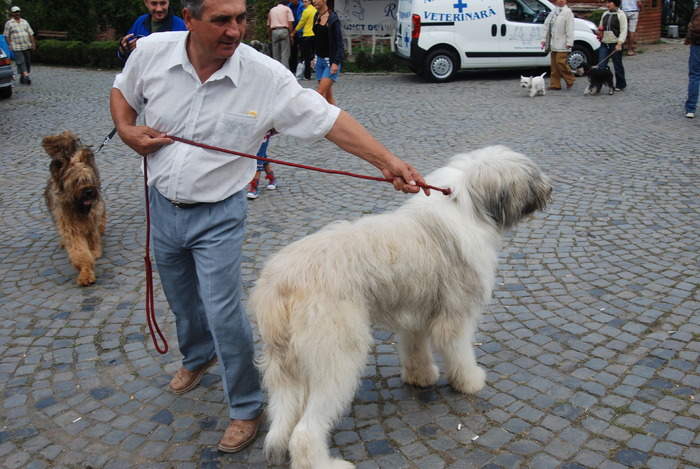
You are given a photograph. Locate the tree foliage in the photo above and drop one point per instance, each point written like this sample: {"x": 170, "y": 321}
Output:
{"x": 83, "y": 18}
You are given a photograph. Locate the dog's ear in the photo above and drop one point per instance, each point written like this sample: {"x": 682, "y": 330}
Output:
{"x": 61, "y": 146}
{"x": 507, "y": 186}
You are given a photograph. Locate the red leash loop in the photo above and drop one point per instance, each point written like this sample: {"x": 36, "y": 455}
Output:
{"x": 447, "y": 191}
{"x": 150, "y": 303}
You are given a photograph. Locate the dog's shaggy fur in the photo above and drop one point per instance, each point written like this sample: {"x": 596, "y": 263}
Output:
{"x": 425, "y": 270}
{"x": 73, "y": 198}
{"x": 534, "y": 84}
{"x": 597, "y": 77}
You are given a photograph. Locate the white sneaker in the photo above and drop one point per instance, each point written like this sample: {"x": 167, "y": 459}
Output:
{"x": 690, "y": 115}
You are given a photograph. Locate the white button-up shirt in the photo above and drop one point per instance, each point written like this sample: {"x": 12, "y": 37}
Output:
{"x": 233, "y": 109}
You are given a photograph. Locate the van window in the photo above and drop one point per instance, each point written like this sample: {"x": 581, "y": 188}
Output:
{"x": 525, "y": 11}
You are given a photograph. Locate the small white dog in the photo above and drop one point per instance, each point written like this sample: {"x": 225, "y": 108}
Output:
{"x": 534, "y": 84}
{"x": 425, "y": 270}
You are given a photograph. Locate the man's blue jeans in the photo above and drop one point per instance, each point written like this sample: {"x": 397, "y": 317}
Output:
{"x": 693, "y": 79}
{"x": 198, "y": 254}
{"x": 603, "y": 52}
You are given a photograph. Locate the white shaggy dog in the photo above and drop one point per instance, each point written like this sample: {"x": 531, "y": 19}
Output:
{"x": 534, "y": 84}
{"x": 425, "y": 270}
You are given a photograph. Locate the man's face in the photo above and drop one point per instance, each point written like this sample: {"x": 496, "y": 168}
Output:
{"x": 219, "y": 31}
{"x": 560, "y": 3}
{"x": 16, "y": 15}
{"x": 158, "y": 9}
{"x": 294, "y": 2}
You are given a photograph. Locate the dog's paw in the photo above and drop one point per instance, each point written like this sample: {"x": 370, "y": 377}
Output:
{"x": 276, "y": 456}
{"x": 471, "y": 382}
{"x": 421, "y": 378}
{"x": 86, "y": 277}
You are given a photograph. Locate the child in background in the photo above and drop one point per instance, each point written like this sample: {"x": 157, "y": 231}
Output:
{"x": 254, "y": 186}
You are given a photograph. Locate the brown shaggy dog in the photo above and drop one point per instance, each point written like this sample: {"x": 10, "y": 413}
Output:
{"x": 74, "y": 200}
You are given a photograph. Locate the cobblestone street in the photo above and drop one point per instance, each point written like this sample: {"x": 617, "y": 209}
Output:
{"x": 591, "y": 342}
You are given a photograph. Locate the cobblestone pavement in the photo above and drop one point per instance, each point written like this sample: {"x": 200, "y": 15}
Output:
{"x": 591, "y": 342}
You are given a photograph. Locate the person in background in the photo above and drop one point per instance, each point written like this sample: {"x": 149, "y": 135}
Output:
{"x": 330, "y": 49}
{"x": 632, "y": 9}
{"x": 692, "y": 38}
{"x": 206, "y": 85}
{"x": 613, "y": 25}
{"x": 20, "y": 38}
{"x": 279, "y": 25}
{"x": 295, "y": 45}
{"x": 160, "y": 18}
{"x": 559, "y": 32}
{"x": 262, "y": 165}
{"x": 306, "y": 26}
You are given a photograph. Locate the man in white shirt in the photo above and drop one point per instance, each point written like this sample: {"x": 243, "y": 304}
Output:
{"x": 204, "y": 85}
{"x": 632, "y": 8}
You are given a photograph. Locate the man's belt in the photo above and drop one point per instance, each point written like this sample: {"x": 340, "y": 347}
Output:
{"x": 280, "y": 27}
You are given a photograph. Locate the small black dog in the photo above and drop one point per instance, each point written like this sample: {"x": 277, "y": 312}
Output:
{"x": 597, "y": 77}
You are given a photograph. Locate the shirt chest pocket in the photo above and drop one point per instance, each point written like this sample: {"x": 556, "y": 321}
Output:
{"x": 234, "y": 130}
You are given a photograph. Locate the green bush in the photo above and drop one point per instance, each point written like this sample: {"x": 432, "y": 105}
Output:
{"x": 103, "y": 54}
{"x": 54, "y": 52}
{"x": 98, "y": 54}
{"x": 383, "y": 62}
{"x": 596, "y": 16}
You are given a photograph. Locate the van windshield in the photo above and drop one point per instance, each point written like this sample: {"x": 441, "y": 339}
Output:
{"x": 525, "y": 11}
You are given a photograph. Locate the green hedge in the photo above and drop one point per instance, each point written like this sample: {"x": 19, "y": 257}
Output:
{"x": 596, "y": 16}
{"x": 98, "y": 54}
{"x": 103, "y": 54}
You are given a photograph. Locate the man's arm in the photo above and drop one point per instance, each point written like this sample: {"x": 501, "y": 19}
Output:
{"x": 349, "y": 135}
{"x": 142, "y": 139}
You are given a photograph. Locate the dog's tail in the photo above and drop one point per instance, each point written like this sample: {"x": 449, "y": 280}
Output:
{"x": 542, "y": 76}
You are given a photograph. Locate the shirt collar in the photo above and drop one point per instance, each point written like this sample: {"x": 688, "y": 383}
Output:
{"x": 230, "y": 69}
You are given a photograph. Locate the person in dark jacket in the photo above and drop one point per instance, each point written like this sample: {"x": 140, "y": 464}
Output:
{"x": 160, "y": 17}
{"x": 330, "y": 49}
{"x": 692, "y": 38}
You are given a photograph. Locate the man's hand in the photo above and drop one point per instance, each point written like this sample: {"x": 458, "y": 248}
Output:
{"x": 404, "y": 176}
{"x": 128, "y": 42}
{"x": 142, "y": 139}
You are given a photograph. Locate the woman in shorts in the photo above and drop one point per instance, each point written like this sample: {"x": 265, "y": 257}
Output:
{"x": 329, "y": 47}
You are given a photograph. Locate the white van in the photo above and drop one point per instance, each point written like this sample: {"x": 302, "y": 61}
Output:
{"x": 440, "y": 37}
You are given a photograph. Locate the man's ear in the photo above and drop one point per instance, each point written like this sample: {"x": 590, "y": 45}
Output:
{"x": 187, "y": 18}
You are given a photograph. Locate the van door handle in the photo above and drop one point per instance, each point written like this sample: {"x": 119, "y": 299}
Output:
{"x": 503, "y": 30}
{"x": 494, "y": 30}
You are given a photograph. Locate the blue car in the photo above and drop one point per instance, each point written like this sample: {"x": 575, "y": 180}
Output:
{"x": 5, "y": 70}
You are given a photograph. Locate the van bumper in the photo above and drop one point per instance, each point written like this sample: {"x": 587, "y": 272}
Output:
{"x": 417, "y": 58}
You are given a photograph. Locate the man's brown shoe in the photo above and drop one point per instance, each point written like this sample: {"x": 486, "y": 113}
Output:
{"x": 184, "y": 380}
{"x": 239, "y": 434}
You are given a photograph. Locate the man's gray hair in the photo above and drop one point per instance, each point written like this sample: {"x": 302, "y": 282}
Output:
{"x": 194, "y": 6}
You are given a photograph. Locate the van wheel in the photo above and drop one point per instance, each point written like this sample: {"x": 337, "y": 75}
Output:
{"x": 579, "y": 55}
{"x": 441, "y": 65}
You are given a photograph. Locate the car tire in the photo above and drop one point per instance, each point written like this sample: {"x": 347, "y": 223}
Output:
{"x": 578, "y": 56}
{"x": 440, "y": 65}
{"x": 5, "y": 92}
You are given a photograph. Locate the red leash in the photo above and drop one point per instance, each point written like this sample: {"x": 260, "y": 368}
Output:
{"x": 447, "y": 191}
{"x": 150, "y": 303}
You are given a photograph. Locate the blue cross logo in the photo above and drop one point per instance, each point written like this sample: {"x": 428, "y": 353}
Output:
{"x": 460, "y": 6}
